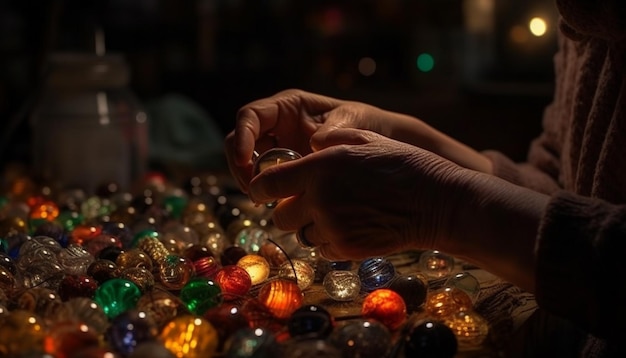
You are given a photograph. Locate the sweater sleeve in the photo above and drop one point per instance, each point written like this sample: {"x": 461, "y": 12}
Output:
{"x": 599, "y": 18}
{"x": 581, "y": 264}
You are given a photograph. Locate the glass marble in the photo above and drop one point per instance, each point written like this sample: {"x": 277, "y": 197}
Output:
{"x": 207, "y": 266}
{"x": 257, "y": 267}
{"x": 214, "y": 239}
{"x": 52, "y": 229}
{"x": 300, "y": 271}
{"x": 43, "y": 302}
{"x": 363, "y": 338}
{"x": 84, "y": 310}
{"x": 74, "y": 259}
{"x": 141, "y": 277}
{"x": 412, "y": 289}
{"x": 42, "y": 273}
{"x": 324, "y": 266}
{"x": 154, "y": 248}
{"x": 375, "y": 273}
{"x": 119, "y": 230}
{"x": 234, "y": 281}
{"x": 227, "y": 318}
{"x": 436, "y": 264}
{"x": 116, "y": 296}
{"x": 174, "y": 272}
{"x": 175, "y": 205}
{"x": 385, "y": 306}
{"x": 83, "y": 233}
{"x": 189, "y": 336}
{"x": 200, "y": 294}
{"x": 134, "y": 258}
{"x": 466, "y": 282}
{"x": 8, "y": 283}
{"x": 446, "y": 301}
{"x": 310, "y": 321}
{"x": 232, "y": 254}
{"x": 259, "y": 316}
{"x": 95, "y": 245}
{"x": 21, "y": 332}
{"x": 252, "y": 343}
{"x": 342, "y": 285}
{"x": 430, "y": 339}
{"x": 197, "y": 251}
{"x": 69, "y": 337}
{"x": 272, "y": 157}
{"x": 129, "y": 329}
{"x": 470, "y": 328}
{"x": 8, "y": 263}
{"x": 161, "y": 305}
{"x": 110, "y": 253}
{"x": 273, "y": 254}
{"x": 281, "y": 296}
{"x": 103, "y": 270}
{"x": 77, "y": 286}
{"x": 251, "y": 238}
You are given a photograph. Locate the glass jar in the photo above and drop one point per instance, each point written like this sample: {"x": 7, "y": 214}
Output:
{"x": 88, "y": 128}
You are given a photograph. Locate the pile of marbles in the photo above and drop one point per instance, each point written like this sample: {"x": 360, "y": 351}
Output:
{"x": 195, "y": 269}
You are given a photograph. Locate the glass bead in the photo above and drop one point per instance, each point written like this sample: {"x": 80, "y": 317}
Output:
{"x": 272, "y": 157}
{"x": 385, "y": 306}
{"x": 430, "y": 339}
{"x": 179, "y": 237}
{"x": 134, "y": 258}
{"x": 412, "y": 289}
{"x": 161, "y": 305}
{"x": 120, "y": 231}
{"x": 259, "y": 316}
{"x": 446, "y": 301}
{"x": 324, "y": 266}
{"x": 110, "y": 253}
{"x": 42, "y": 273}
{"x": 200, "y": 294}
{"x": 190, "y": 337}
{"x": 298, "y": 270}
{"x": 34, "y": 255}
{"x": 77, "y": 286}
{"x": 43, "y": 302}
{"x": 251, "y": 238}
{"x": 116, "y": 296}
{"x": 469, "y": 327}
{"x": 227, "y": 318}
{"x": 342, "y": 285}
{"x": 466, "y": 282}
{"x": 310, "y": 321}
{"x": 140, "y": 277}
{"x": 214, "y": 239}
{"x": 257, "y": 267}
{"x": 310, "y": 348}
{"x": 231, "y": 255}
{"x": 151, "y": 349}
{"x": 8, "y": 283}
{"x": 129, "y": 329}
{"x": 74, "y": 259}
{"x": 154, "y": 248}
{"x": 234, "y": 281}
{"x": 38, "y": 242}
{"x": 84, "y": 233}
{"x": 174, "y": 272}
{"x": 68, "y": 338}
{"x": 21, "y": 333}
{"x": 252, "y": 343}
{"x": 53, "y": 230}
{"x": 98, "y": 243}
{"x": 375, "y": 273}
{"x": 281, "y": 296}
{"x": 436, "y": 264}
{"x": 102, "y": 270}
{"x": 84, "y": 310}
{"x": 362, "y": 338}
{"x": 206, "y": 266}
{"x": 273, "y": 254}
{"x": 197, "y": 251}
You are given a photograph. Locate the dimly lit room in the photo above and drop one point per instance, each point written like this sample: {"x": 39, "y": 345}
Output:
{"x": 413, "y": 208}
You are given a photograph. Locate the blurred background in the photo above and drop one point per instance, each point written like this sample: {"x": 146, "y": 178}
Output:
{"x": 480, "y": 70}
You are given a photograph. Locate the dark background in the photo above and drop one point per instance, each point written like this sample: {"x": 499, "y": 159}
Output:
{"x": 485, "y": 88}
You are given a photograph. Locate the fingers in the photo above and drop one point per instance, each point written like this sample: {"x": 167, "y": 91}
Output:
{"x": 324, "y": 139}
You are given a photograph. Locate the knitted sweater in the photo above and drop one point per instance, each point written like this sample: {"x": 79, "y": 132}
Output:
{"x": 580, "y": 160}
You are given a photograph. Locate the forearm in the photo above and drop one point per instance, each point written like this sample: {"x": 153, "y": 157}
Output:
{"x": 414, "y": 131}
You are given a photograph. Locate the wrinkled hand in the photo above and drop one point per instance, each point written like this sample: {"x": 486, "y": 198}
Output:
{"x": 289, "y": 119}
{"x": 362, "y": 195}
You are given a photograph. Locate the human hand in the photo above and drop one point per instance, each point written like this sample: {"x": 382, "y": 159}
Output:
{"x": 289, "y": 119}
{"x": 362, "y": 195}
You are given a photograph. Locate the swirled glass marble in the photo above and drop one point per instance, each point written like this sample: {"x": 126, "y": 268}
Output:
{"x": 141, "y": 277}
{"x": 74, "y": 259}
{"x": 200, "y": 294}
{"x": 234, "y": 281}
{"x": 385, "y": 306}
{"x": 436, "y": 264}
{"x": 116, "y": 296}
{"x": 207, "y": 266}
{"x": 43, "y": 302}
{"x": 174, "y": 272}
{"x": 375, "y": 273}
{"x": 298, "y": 270}
{"x": 446, "y": 301}
{"x": 189, "y": 336}
{"x": 161, "y": 305}
{"x": 134, "y": 258}
{"x": 310, "y": 321}
{"x": 84, "y": 310}
{"x": 342, "y": 285}
{"x": 272, "y": 157}
{"x": 364, "y": 338}
{"x": 281, "y": 296}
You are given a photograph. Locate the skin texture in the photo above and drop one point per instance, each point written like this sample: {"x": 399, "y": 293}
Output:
{"x": 372, "y": 182}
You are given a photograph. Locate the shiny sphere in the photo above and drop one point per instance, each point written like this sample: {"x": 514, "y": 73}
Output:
{"x": 446, "y": 301}
{"x": 116, "y": 296}
{"x": 431, "y": 339}
{"x": 206, "y": 266}
{"x": 85, "y": 310}
{"x": 375, "y": 273}
{"x": 385, "y": 306}
{"x": 69, "y": 337}
{"x": 342, "y": 285}
{"x": 231, "y": 255}
{"x": 471, "y": 330}
{"x": 134, "y": 258}
{"x": 129, "y": 329}
{"x": 281, "y": 296}
{"x": 436, "y": 264}
{"x": 273, "y": 157}
{"x": 257, "y": 267}
{"x": 310, "y": 321}
{"x": 412, "y": 289}
{"x": 161, "y": 305}
{"x": 299, "y": 270}
{"x": 77, "y": 286}
{"x": 227, "y": 318}
{"x": 190, "y": 336}
{"x": 252, "y": 343}
{"x": 141, "y": 277}
{"x": 234, "y": 281}
{"x": 200, "y": 294}
{"x": 466, "y": 282}
{"x": 174, "y": 272}
{"x": 362, "y": 338}
{"x": 251, "y": 238}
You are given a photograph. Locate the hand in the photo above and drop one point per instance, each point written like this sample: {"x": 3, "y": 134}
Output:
{"x": 289, "y": 119}
{"x": 362, "y": 195}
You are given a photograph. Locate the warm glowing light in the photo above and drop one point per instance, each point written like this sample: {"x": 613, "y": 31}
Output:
{"x": 367, "y": 66}
{"x": 281, "y": 296}
{"x": 385, "y": 306}
{"x": 538, "y": 26}
{"x": 189, "y": 336}
{"x": 257, "y": 267}
{"x": 425, "y": 62}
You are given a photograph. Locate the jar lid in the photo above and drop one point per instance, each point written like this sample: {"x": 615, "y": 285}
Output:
{"x": 80, "y": 70}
